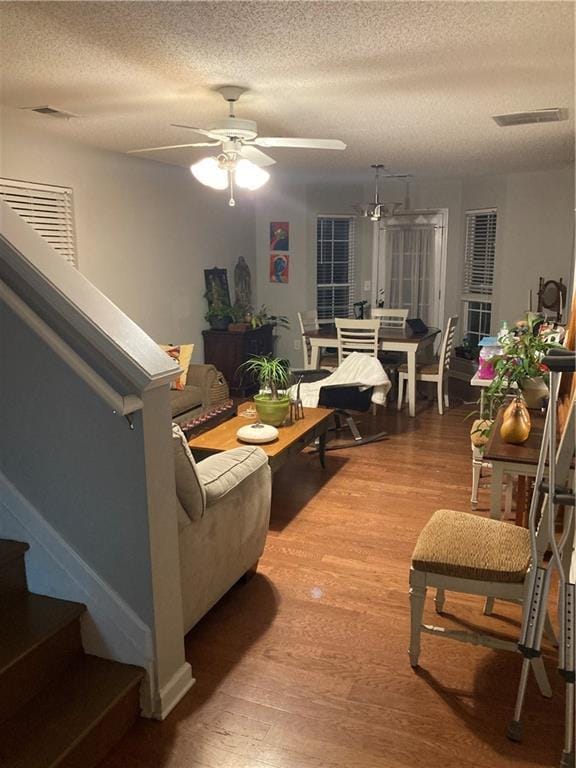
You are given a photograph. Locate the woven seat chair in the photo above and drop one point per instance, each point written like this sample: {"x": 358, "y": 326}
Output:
{"x": 462, "y": 552}
{"x": 435, "y": 371}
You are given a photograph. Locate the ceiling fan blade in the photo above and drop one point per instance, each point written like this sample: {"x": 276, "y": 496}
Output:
{"x": 175, "y": 146}
{"x": 203, "y": 131}
{"x": 256, "y": 156}
{"x": 270, "y": 141}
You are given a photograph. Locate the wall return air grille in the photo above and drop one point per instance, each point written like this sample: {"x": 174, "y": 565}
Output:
{"x": 47, "y": 209}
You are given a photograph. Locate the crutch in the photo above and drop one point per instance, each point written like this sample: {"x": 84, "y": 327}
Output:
{"x": 543, "y": 536}
{"x": 564, "y": 552}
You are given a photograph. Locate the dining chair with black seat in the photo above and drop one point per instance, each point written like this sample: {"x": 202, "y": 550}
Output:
{"x": 356, "y": 336}
{"x": 391, "y": 317}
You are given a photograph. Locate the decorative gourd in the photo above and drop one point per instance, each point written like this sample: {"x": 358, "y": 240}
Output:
{"x": 516, "y": 422}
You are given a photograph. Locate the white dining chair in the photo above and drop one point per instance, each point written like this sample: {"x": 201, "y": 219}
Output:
{"x": 390, "y": 317}
{"x": 465, "y": 553}
{"x": 308, "y": 321}
{"x": 436, "y": 371}
{"x": 357, "y": 336}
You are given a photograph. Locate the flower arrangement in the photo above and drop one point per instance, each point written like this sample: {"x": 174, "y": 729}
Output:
{"x": 519, "y": 365}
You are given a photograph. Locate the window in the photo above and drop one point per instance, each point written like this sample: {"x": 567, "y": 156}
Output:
{"x": 47, "y": 209}
{"x": 335, "y": 249}
{"x": 479, "y": 258}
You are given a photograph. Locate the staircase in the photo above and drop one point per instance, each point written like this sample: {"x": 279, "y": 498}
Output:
{"x": 59, "y": 707}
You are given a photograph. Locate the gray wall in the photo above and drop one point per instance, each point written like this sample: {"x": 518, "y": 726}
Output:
{"x": 535, "y": 236}
{"x": 146, "y": 230}
{"x": 75, "y": 461}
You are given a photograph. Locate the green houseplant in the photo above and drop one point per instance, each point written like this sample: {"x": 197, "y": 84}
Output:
{"x": 261, "y": 317}
{"x": 518, "y": 368}
{"x": 273, "y": 376}
{"x": 220, "y": 313}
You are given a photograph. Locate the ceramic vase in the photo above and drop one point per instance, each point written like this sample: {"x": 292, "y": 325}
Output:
{"x": 272, "y": 412}
{"x": 516, "y": 422}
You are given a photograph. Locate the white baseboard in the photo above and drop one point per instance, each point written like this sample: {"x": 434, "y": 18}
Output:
{"x": 110, "y": 628}
{"x": 174, "y": 690}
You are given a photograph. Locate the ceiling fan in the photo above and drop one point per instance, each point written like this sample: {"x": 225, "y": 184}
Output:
{"x": 240, "y": 161}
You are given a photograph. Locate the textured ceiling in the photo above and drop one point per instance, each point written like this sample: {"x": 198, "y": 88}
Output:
{"x": 410, "y": 84}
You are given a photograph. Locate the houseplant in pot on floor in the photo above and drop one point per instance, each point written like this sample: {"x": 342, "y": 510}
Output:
{"x": 272, "y": 374}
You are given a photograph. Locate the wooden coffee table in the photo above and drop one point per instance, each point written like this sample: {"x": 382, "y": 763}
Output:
{"x": 291, "y": 439}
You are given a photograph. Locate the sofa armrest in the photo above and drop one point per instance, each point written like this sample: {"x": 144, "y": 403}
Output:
{"x": 221, "y": 473}
{"x": 202, "y": 375}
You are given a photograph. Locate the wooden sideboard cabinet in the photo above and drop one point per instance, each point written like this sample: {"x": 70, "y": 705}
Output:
{"x": 227, "y": 351}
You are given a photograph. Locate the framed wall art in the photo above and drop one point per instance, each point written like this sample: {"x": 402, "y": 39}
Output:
{"x": 279, "y": 267}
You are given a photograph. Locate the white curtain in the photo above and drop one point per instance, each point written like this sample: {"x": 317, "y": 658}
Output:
{"x": 410, "y": 267}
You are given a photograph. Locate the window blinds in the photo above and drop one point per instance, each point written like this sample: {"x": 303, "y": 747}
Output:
{"x": 47, "y": 209}
{"x": 480, "y": 252}
{"x": 335, "y": 256}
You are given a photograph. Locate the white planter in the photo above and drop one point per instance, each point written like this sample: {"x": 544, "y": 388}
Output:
{"x": 534, "y": 391}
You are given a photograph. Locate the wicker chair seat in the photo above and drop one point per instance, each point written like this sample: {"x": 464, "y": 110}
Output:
{"x": 463, "y": 545}
{"x": 421, "y": 368}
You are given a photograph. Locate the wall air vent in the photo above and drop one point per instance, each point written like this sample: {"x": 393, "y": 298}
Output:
{"x": 554, "y": 115}
{"x": 50, "y": 111}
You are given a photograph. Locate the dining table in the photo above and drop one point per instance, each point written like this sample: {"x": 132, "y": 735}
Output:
{"x": 389, "y": 340}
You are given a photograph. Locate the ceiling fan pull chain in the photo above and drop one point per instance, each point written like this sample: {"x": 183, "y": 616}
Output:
{"x": 231, "y": 202}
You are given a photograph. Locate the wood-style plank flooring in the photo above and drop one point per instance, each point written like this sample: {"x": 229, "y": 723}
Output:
{"x": 306, "y": 666}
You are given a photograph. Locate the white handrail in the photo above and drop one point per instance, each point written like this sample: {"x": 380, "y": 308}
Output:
{"x": 123, "y": 405}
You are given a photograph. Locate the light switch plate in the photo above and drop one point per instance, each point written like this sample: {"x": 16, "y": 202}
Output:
{"x": 297, "y": 344}
{"x": 367, "y": 285}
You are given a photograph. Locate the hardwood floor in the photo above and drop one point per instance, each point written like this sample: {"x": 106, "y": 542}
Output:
{"x": 306, "y": 665}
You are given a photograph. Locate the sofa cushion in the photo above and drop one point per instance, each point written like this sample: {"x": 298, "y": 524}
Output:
{"x": 185, "y": 400}
{"x": 189, "y": 488}
{"x": 221, "y": 473}
{"x": 182, "y": 353}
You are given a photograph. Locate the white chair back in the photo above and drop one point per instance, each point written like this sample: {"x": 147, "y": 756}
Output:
{"x": 389, "y": 317}
{"x": 447, "y": 343}
{"x": 308, "y": 321}
{"x": 357, "y": 336}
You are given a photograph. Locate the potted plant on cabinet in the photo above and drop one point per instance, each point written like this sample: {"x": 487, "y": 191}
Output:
{"x": 273, "y": 376}
{"x": 518, "y": 369}
{"x": 219, "y": 313}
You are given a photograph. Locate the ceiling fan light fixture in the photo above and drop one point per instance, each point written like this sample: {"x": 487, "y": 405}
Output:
{"x": 210, "y": 173}
{"x": 250, "y": 176}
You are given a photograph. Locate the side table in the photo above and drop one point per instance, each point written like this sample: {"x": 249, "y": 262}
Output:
{"x": 518, "y": 460}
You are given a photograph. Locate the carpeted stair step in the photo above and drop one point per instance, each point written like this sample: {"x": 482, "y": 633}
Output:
{"x": 75, "y": 722}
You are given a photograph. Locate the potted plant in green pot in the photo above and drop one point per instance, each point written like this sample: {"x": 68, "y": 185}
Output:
{"x": 273, "y": 376}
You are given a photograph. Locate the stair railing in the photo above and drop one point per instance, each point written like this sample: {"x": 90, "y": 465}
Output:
{"x": 121, "y": 404}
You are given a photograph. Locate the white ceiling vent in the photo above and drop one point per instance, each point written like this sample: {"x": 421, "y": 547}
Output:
{"x": 554, "y": 115}
{"x": 50, "y": 111}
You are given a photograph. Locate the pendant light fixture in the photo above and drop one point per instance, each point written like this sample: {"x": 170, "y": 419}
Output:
{"x": 377, "y": 210}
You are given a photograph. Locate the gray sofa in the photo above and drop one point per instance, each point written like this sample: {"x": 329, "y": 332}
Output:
{"x": 223, "y": 505}
{"x": 196, "y": 394}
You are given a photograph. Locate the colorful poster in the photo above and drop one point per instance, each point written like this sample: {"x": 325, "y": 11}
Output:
{"x": 279, "y": 236}
{"x": 279, "y": 265}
